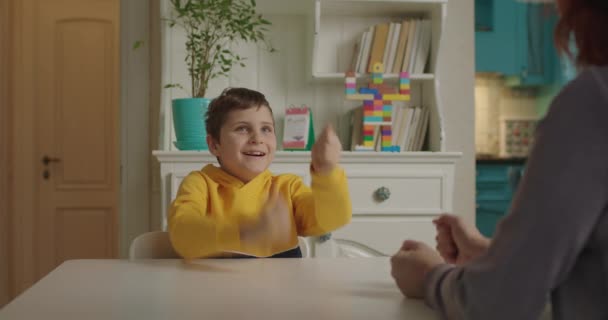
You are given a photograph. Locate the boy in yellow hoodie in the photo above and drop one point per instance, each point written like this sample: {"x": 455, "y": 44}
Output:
{"x": 240, "y": 208}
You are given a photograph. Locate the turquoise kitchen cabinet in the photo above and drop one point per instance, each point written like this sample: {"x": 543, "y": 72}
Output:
{"x": 495, "y": 31}
{"x": 496, "y": 182}
{"x": 515, "y": 39}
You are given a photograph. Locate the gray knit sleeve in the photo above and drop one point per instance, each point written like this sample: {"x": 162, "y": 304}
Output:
{"x": 559, "y": 200}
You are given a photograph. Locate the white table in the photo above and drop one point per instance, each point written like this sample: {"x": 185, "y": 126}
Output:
{"x": 337, "y": 288}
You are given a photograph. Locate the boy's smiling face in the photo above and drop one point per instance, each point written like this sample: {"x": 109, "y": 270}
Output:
{"x": 247, "y": 143}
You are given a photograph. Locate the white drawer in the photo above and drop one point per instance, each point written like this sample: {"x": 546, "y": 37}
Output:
{"x": 420, "y": 192}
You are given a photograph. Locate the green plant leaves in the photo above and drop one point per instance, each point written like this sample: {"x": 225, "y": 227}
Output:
{"x": 211, "y": 27}
{"x": 137, "y": 44}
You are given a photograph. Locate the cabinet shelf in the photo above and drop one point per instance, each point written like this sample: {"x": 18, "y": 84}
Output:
{"x": 388, "y": 8}
{"x": 339, "y": 76}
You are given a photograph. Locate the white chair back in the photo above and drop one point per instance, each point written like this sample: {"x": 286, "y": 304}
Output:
{"x": 304, "y": 247}
{"x": 152, "y": 245}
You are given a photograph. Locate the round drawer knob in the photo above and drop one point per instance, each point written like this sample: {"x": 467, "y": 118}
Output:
{"x": 382, "y": 193}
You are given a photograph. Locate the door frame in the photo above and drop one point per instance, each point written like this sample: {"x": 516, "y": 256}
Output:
{"x": 5, "y": 128}
{"x": 135, "y": 147}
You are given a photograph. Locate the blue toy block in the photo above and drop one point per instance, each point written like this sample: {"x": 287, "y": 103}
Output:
{"x": 368, "y": 91}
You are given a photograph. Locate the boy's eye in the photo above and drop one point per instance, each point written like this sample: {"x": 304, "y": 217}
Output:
{"x": 242, "y": 129}
{"x": 267, "y": 129}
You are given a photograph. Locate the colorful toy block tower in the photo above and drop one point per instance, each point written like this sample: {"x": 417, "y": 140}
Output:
{"x": 377, "y": 106}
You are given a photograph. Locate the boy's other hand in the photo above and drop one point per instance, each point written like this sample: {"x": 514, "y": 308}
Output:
{"x": 457, "y": 242}
{"x": 326, "y": 151}
{"x": 274, "y": 224}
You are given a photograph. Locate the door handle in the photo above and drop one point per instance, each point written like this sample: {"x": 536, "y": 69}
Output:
{"x": 46, "y": 174}
{"x": 46, "y": 160}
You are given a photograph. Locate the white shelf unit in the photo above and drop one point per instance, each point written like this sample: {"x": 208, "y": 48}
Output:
{"x": 339, "y": 23}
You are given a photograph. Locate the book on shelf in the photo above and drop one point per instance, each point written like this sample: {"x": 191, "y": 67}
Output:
{"x": 396, "y": 124}
{"x": 369, "y": 35}
{"x": 356, "y": 137}
{"x": 353, "y": 61}
{"x": 359, "y": 50}
{"x": 415, "y": 46}
{"x": 421, "y": 134}
{"x": 414, "y": 129}
{"x": 392, "y": 47}
{"x": 401, "y": 46}
{"x": 400, "y": 131}
{"x": 405, "y": 130}
{"x": 408, "y": 48}
{"x": 400, "y": 52}
{"x": 377, "y": 138}
{"x": 378, "y": 45}
{"x": 424, "y": 45}
{"x": 387, "y": 44}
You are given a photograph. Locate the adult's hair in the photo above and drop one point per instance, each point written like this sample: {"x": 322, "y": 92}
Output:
{"x": 587, "y": 22}
{"x": 230, "y": 100}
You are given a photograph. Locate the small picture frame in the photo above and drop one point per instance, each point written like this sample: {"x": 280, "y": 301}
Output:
{"x": 298, "y": 132}
{"x": 517, "y": 136}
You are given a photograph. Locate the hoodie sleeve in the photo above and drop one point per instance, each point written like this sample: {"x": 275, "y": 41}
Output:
{"x": 193, "y": 233}
{"x": 325, "y": 206}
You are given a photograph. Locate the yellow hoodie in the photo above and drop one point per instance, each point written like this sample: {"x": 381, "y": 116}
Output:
{"x": 211, "y": 204}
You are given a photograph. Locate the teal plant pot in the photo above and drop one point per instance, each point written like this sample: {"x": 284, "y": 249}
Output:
{"x": 189, "y": 123}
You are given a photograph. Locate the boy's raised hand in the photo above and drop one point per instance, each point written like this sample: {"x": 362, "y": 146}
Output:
{"x": 326, "y": 151}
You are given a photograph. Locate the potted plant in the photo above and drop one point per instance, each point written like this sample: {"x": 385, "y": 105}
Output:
{"x": 211, "y": 27}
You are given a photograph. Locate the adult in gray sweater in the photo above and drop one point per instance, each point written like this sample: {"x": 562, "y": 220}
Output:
{"x": 554, "y": 241}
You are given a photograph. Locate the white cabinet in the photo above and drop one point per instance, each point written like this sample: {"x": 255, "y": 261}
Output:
{"x": 315, "y": 41}
{"x": 418, "y": 187}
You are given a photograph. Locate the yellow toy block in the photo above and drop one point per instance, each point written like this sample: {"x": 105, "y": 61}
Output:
{"x": 378, "y": 67}
{"x": 396, "y": 97}
{"x": 359, "y": 96}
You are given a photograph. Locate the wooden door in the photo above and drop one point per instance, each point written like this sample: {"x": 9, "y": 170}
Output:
{"x": 66, "y": 124}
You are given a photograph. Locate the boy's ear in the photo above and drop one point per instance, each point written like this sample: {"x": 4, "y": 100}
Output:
{"x": 212, "y": 145}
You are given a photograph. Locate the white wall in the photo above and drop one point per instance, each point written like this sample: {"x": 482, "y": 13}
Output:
{"x": 457, "y": 68}
{"x": 494, "y": 101}
{"x": 135, "y": 122}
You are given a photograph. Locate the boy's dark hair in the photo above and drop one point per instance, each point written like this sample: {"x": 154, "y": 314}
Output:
{"x": 231, "y": 99}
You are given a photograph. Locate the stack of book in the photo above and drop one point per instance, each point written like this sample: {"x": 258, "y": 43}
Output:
{"x": 409, "y": 128}
{"x": 400, "y": 46}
